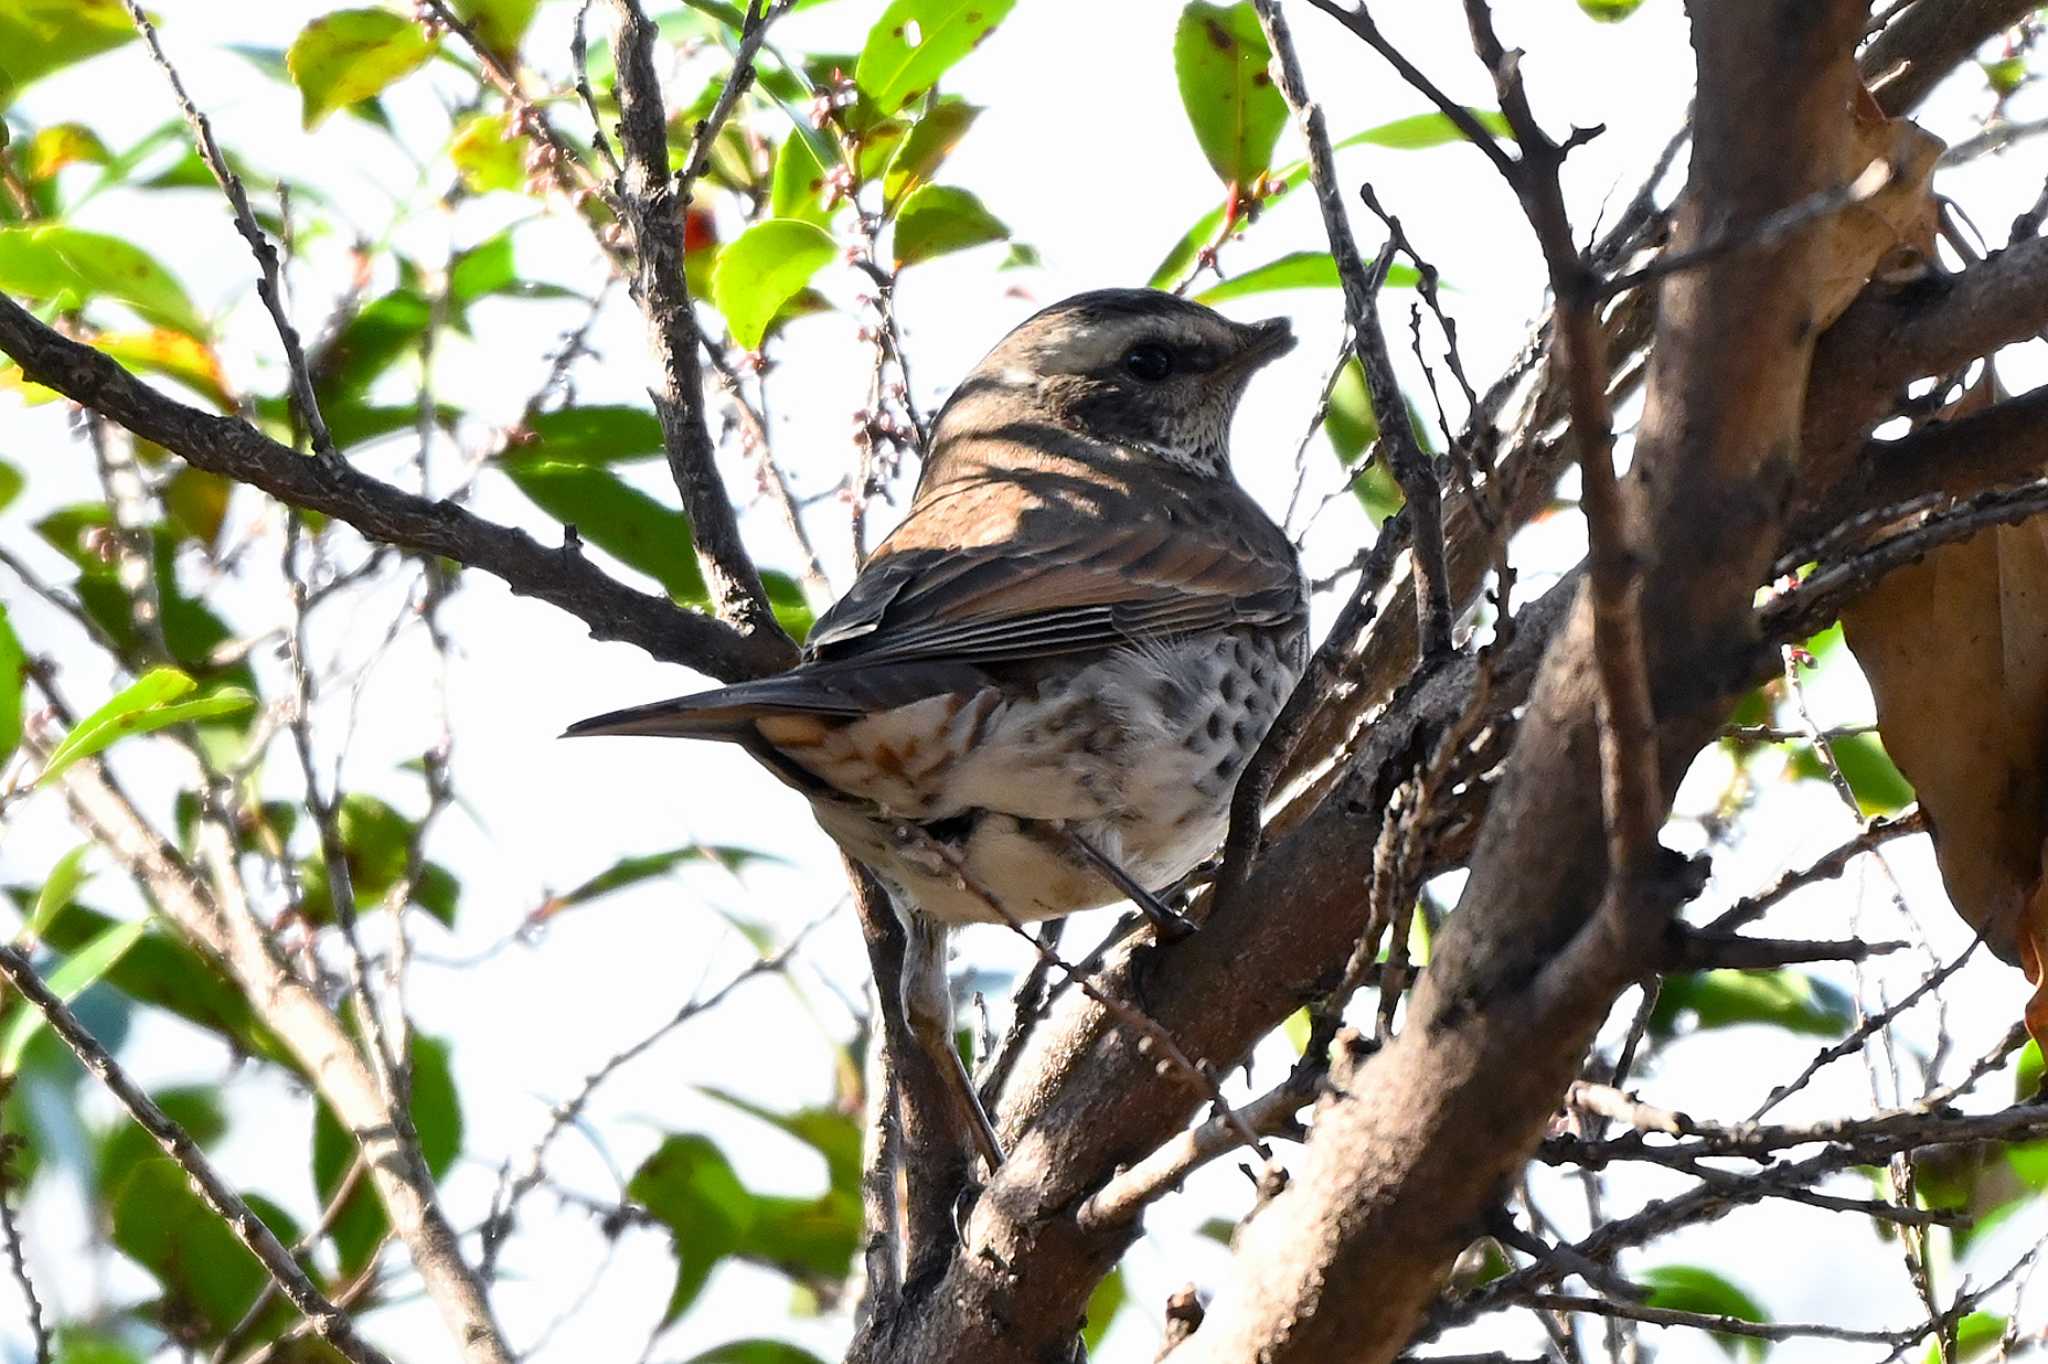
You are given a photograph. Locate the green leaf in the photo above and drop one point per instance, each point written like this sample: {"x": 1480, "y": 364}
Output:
{"x": 756, "y": 1351}
{"x": 357, "y": 423}
{"x": 197, "y": 503}
{"x": 1609, "y": 11}
{"x": 917, "y": 41}
{"x": 487, "y": 154}
{"x": 41, "y": 36}
{"x": 387, "y": 327}
{"x": 1416, "y": 132}
{"x": 1976, "y": 1335}
{"x": 632, "y": 871}
{"x": 2005, "y": 75}
{"x": 500, "y": 24}
{"x": 763, "y": 269}
{"x": 2026, "y": 1080}
{"x": 1297, "y": 1028}
{"x": 938, "y": 219}
{"x": 58, "y": 889}
{"x": 1880, "y": 788}
{"x": 1220, "y": 56}
{"x": 831, "y": 1133}
{"x": 209, "y": 1279}
{"x": 1103, "y": 1304}
{"x": 377, "y": 843}
{"x": 196, "y": 1108}
{"x": 359, "y": 1227}
{"x": 616, "y": 517}
{"x": 351, "y": 55}
{"x": 192, "y": 630}
{"x": 797, "y": 188}
{"x": 64, "y": 144}
{"x": 13, "y": 686}
{"x": 930, "y": 142}
{"x": 590, "y": 435}
{"x": 69, "y": 267}
{"x": 1350, "y": 422}
{"x": 85, "y": 1345}
{"x": 1784, "y": 999}
{"x": 1296, "y": 270}
{"x": 174, "y": 355}
{"x": 689, "y": 1187}
{"x": 151, "y": 703}
{"x": 67, "y": 982}
{"x": 1352, "y": 428}
{"x": 1688, "y": 1288}
{"x": 1420, "y": 132}
{"x": 786, "y": 599}
{"x": 491, "y": 269}
{"x": 11, "y": 483}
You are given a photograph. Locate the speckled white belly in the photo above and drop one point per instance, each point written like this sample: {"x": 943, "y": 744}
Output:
{"x": 1138, "y": 754}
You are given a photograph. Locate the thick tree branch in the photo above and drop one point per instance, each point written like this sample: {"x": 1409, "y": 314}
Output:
{"x": 1400, "y": 1167}
{"x": 224, "y": 445}
{"x": 1895, "y": 334}
{"x": 654, "y": 216}
{"x": 1088, "y": 1098}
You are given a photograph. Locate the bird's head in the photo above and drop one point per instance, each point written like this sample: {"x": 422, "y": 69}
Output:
{"x": 1157, "y": 375}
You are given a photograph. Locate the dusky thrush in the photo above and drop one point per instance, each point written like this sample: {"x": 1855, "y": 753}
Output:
{"x": 1039, "y": 693}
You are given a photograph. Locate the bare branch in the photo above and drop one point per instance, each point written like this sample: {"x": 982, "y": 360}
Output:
{"x": 653, "y": 213}
{"x": 1410, "y": 466}
{"x": 269, "y": 279}
{"x": 17, "y": 1255}
{"x": 328, "y": 1322}
{"x": 295, "y": 1012}
{"x": 223, "y": 445}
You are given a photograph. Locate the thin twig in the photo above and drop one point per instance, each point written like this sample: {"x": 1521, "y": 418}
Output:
{"x": 1405, "y": 459}
{"x": 269, "y": 280}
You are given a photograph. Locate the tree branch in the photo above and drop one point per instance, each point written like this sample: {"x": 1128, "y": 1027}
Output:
{"x": 224, "y": 445}
{"x": 269, "y": 278}
{"x": 654, "y": 216}
{"x": 1917, "y": 49}
{"x": 1411, "y": 468}
{"x": 328, "y": 1322}
{"x": 1399, "y": 1168}
{"x": 294, "y": 1011}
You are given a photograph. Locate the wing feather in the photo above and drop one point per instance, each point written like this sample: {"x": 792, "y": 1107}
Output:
{"x": 993, "y": 603}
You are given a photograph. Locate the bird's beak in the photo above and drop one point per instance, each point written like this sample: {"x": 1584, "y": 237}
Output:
{"x": 1264, "y": 341}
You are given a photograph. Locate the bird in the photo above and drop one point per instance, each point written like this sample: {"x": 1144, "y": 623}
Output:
{"x": 1039, "y": 692}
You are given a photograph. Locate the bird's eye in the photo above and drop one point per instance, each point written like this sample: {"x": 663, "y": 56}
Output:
{"x": 1150, "y": 361}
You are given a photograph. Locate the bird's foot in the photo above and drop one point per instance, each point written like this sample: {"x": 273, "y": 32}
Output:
{"x": 1168, "y": 922}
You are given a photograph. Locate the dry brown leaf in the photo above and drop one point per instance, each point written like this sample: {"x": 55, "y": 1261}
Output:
{"x": 1894, "y": 227}
{"x": 1956, "y": 651}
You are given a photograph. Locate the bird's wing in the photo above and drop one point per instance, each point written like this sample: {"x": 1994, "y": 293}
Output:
{"x": 1096, "y": 588}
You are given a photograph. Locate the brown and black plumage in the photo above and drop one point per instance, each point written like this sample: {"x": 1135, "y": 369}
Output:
{"x": 1050, "y": 675}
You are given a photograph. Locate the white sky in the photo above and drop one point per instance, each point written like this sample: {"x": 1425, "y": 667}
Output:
{"x": 1085, "y": 153}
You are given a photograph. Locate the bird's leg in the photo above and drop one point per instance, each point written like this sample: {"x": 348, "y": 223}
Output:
{"x": 1171, "y": 924}
{"x": 928, "y": 1007}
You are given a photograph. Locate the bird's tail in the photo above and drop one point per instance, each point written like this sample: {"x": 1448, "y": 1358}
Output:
{"x": 825, "y": 691}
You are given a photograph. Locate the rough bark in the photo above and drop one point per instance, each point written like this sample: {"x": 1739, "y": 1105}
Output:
{"x": 1414, "y": 1146}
